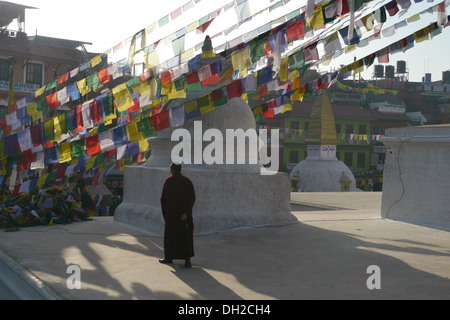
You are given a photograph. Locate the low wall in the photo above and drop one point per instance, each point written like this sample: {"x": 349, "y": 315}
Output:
{"x": 416, "y": 183}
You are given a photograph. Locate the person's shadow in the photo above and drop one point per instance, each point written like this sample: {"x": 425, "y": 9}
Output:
{"x": 202, "y": 282}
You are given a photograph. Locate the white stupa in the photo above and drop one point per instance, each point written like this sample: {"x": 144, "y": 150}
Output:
{"x": 228, "y": 195}
{"x": 321, "y": 171}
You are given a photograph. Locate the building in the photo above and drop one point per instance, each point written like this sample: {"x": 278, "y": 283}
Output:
{"x": 32, "y": 61}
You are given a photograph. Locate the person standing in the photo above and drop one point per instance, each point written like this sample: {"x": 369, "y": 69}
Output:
{"x": 177, "y": 202}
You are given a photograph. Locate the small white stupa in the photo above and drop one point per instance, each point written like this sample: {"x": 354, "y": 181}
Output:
{"x": 321, "y": 171}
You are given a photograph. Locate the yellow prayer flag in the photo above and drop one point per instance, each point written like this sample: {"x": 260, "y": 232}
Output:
{"x": 121, "y": 165}
{"x": 33, "y": 112}
{"x": 96, "y": 60}
{"x": 83, "y": 87}
{"x": 245, "y": 96}
{"x": 152, "y": 60}
{"x": 317, "y": 20}
{"x": 186, "y": 55}
{"x": 284, "y": 70}
{"x": 48, "y": 128}
{"x": 358, "y": 68}
{"x": 165, "y": 90}
{"x": 326, "y": 59}
{"x": 90, "y": 163}
{"x": 57, "y": 128}
{"x": 243, "y": 72}
{"x": 174, "y": 94}
{"x": 142, "y": 89}
{"x": 41, "y": 180}
{"x": 39, "y": 92}
{"x": 241, "y": 59}
{"x": 350, "y": 48}
{"x": 287, "y": 107}
{"x": 151, "y": 28}
{"x": 132, "y": 132}
{"x": 153, "y": 88}
{"x": 190, "y": 106}
{"x": 368, "y": 21}
{"x": 143, "y": 145}
{"x": 293, "y": 75}
{"x": 62, "y": 122}
{"x": 422, "y": 35}
{"x": 122, "y": 97}
{"x": 110, "y": 117}
{"x": 298, "y": 94}
{"x": 193, "y": 26}
{"x": 413, "y": 18}
{"x": 64, "y": 152}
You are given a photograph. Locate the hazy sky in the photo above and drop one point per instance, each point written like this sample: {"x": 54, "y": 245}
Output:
{"x": 105, "y": 23}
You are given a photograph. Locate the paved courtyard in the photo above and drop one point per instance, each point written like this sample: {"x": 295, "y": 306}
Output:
{"x": 325, "y": 255}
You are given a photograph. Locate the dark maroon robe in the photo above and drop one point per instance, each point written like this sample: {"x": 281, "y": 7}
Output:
{"x": 178, "y": 198}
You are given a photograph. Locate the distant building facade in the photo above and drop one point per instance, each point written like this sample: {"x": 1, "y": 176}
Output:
{"x": 35, "y": 60}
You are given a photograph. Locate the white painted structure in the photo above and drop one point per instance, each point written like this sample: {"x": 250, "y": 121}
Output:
{"x": 416, "y": 183}
{"x": 228, "y": 196}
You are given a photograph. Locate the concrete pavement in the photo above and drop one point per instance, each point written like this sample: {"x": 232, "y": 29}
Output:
{"x": 324, "y": 256}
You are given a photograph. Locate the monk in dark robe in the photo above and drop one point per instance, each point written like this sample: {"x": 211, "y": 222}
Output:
{"x": 177, "y": 201}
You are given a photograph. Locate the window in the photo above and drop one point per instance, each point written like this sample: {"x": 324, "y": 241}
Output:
{"x": 293, "y": 156}
{"x": 361, "y": 160}
{"x": 295, "y": 125}
{"x": 34, "y": 73}
{"x": 306, "y": 126}
{"x": 4, "y": 70}
{"x": 348, "y": 159}
{"x": 338, "y": 128}
{"x": 349, "y": 129}
{"x": 362, "y": 129}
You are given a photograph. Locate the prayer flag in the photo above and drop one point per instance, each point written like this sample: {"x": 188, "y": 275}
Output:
{"x": 295, "y": 30}
{"x": 234, "y": 89}
{"x": 64, "y": 152}
{"x": 241, "y": 59}
{"x": 78, "y": 148}
{"x": 93, "y": 146}
{"x": 122, "y": 97}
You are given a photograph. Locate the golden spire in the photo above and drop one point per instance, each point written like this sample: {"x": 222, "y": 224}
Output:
{"x": 322, "y": 127}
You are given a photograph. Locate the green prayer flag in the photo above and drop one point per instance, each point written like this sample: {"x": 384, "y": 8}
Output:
{"x": 93, "y": 81}
{"x": 78, "y": 148}
{"x": 51, "y": 85}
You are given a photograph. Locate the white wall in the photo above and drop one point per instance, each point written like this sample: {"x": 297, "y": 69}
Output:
{"x": 416, "y": 183}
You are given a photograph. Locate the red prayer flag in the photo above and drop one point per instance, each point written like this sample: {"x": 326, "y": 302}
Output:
{"x": 60, "y": 172}
{"x": 234, "y": 89}
{"x": 392, "y": 8}
{"x": 79, "y": 116}
{"x": 103, "y": 76}
{"x": 52, "y": 101}
{"x": 93, "y": 145}
{"x": 212, "y": 79}
{"x": 162, "y": 120}
{"x": 262, "y": 91}
{"x": 268, "y": 114}
{"x": 192, "y": 78}
{"x": 295, "y": 31}
{"x": 165, "y": 78}
{"x": 204, "y": 26}
{"x": 95, "y": 114}
{"x": 36, "y": 134}
{"x": 63, "y": 78}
